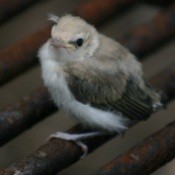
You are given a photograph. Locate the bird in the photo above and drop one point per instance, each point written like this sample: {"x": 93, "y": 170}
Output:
{"x": 95, "y": 79}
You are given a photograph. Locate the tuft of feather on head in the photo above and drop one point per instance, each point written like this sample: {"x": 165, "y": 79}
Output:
{"x": 52, "y": 17}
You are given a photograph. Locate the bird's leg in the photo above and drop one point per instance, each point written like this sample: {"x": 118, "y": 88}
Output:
{"x": 77, "y": 138}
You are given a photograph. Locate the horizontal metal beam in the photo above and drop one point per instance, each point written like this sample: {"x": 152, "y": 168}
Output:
{"x": 147, "y": 37}
{"x": 52, "y": 157}
{"x": 57, "y": 154}
{"x": 21, "y": 55}
{"x": 26, "y": 112}
{"x": 9, "y": 8}
{"x": 146, "y": 157}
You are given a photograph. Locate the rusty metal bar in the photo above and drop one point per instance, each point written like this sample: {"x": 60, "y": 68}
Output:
{"x": 22, "y": 55}
{"x": 9, "y": 8}
{"x": 151, "y": 35}
{"x": 52, "y": 157}
{"x": 26, "y": 112}
{"x": 146, "y": 157}
{"x": 58, "y": 154}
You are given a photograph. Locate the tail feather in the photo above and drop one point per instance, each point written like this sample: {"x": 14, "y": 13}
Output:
{"x": 159, "y": 98}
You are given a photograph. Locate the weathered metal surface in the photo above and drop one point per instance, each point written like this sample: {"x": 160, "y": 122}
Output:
{"x": 52, "y": 157}
{"x": 20, "y": 116}
{"x": 58, "y": 154}
{"x": 151, "y": 35}
{"x": 22, "y": 55}
{"x": 146, "y": 157}
{"x": 9, "y": 8}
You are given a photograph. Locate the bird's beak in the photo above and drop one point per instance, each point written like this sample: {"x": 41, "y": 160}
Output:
{"x": 59, "y": 44}
{"x": 56, "y": 43}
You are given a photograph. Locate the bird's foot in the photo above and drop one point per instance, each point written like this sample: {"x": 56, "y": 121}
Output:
{"x": 76, "y": 138}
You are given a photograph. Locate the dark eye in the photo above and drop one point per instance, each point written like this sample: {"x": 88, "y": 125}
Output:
{"x": 79, "y": 42}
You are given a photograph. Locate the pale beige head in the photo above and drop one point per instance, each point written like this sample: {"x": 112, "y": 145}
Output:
{"x": 75, "y": 35}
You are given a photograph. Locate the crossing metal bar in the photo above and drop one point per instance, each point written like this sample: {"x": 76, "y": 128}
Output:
{"x": 57, "y": 154}
{"x": 146, "y": 157}
{"x": 9, "y": 8}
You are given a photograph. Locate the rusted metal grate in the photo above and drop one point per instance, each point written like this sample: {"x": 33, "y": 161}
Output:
{"x": 56, "y": 154}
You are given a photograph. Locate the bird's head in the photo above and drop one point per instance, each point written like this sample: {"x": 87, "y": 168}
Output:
{"x": 73, "y": 36}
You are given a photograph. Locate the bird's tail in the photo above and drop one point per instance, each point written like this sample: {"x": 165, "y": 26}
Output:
{"x": 163, "y": 99}
{"x": 159, "y": 98}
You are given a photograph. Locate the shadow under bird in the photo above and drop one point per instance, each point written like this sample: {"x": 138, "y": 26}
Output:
{"x": 95, "y": 79}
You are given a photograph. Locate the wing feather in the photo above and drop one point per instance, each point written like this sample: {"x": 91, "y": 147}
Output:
{"x": 102, "y": 92}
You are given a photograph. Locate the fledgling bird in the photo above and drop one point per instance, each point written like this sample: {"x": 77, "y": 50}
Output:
{"x": 94, "y": 78}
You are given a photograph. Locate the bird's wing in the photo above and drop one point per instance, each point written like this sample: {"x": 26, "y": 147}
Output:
{"x": 115, "y": 94}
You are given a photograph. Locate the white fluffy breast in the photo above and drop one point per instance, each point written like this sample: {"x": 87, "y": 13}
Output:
{"x": 55, "y": 81}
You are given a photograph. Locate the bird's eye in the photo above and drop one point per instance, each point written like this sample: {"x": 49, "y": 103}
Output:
{"x": 79, "y": 42}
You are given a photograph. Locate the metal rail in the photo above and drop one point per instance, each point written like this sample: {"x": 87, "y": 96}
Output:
{"x": 146, "y": 157}
{"x": 143, "y": 39}
{"x": 57, "y": 154}
{"x": 26, "y": 112}
{"x": 21, "y": 55}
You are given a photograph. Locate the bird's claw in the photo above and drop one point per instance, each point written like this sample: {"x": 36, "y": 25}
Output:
{"x": 71, "y": 137}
